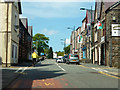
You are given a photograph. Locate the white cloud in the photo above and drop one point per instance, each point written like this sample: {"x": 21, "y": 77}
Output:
{"x": 49, "y": 32}
{"x": 67, "y": 41}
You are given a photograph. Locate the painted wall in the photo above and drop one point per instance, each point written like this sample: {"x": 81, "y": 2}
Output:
{"x": 12, "y": 34}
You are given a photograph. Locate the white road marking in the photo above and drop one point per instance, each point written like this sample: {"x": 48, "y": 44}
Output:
{"x": 99, "y": 69}
{"x": 24, "y": 69}
{"x": 18, "y": 69}
{"x": 103, "y": 70}
{"x": 60, "y": 67}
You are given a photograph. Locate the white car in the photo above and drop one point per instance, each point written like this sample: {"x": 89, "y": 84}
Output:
{"x": 59, "y": 59}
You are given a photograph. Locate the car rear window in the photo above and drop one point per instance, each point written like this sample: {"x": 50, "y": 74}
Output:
{"x": 65, "y": 56}
{"x": 74, "y": 55}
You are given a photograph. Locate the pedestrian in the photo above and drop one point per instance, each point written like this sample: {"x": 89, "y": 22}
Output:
{"x": 34, "y": 56}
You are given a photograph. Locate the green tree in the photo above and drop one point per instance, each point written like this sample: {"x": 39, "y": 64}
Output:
{"x": 60, "y": 53}
{"x": 50, "y": 53}
{"x": 46, "y": 50}
{"x": 40, "y": 42}
{"x": 67, "y": 49}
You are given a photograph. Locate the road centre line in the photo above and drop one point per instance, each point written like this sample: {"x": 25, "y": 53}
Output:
{"x": 60, "y": 67}
{"x": 18, "y": 69}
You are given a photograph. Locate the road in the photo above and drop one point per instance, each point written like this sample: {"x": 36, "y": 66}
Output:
{"x": 49, "y": 74}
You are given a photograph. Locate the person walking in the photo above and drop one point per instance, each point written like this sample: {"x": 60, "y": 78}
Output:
{"x": 34, "y": 56}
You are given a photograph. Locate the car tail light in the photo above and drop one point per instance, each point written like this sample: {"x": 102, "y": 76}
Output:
{"x": 69, "y": 56}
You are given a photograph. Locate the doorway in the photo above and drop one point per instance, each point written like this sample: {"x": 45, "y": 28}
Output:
{"x": 102, "y": 54}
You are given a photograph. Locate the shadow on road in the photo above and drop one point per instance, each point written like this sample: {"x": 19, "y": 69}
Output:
{"x": 38, "y": 65}
{"x": 35, "y": 79}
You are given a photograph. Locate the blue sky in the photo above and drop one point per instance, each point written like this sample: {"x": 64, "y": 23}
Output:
{"x": 53, "y": 18}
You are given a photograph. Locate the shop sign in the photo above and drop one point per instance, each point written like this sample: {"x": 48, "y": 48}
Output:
{"x": 115, "y": 29}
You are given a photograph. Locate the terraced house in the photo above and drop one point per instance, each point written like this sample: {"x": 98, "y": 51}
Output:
{"x": 9, "y": 31}
{"x": 107, "y": 38}
{"x": 25, "y": 40}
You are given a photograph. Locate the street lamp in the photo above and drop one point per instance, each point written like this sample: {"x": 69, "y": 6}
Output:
{"x": 74, "y": 36}
{"x": 91, "y": 32}
{"x": 64, "y": 43}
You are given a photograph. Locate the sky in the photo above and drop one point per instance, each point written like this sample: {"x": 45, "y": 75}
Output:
{"x": 53, "y": 19}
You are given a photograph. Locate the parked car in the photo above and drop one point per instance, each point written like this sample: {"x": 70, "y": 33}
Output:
{"x": 65, "y": 58}
{"x": 73, "y": 58}
{"x": 59, "y": 59}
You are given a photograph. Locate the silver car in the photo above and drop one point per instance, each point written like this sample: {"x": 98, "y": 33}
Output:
{"x": 73, "y": 58}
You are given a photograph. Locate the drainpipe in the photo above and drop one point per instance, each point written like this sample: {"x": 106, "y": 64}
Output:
{"x": 7, "y": 35}
{"x": 91, "y": 38}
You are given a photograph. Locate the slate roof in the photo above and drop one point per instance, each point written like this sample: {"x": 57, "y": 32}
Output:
{"x": 109, "y": 4}
{"x": 25, "y": 22}
{"x": 30, "y": 30}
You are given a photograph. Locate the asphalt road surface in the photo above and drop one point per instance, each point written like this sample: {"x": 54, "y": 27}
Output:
{"x": 49, "y": 74}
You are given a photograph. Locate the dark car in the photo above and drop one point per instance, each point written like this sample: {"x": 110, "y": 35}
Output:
{"x": 65, "y": 58}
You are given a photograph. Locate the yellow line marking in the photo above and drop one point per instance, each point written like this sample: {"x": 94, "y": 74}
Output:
{"x": 102, "y": 72}
{"x": 108, "y": 75}
{"x": 84, "y": 66}
{"x": 47, "y": 84}
{"x": 43, "y": 80}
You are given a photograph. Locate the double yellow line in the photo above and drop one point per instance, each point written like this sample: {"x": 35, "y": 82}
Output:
{"x": 101, "y": 72}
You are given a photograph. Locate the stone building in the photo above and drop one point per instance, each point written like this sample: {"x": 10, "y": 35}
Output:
{"x": 106, "y": 40}
{"x": 112, "y": 16}
{"x": 72, "y": 42}
{"x": 88, "y": 32}
{"x": 96, "y": 36}
{"x": 9, "y": 32}
{"x": 83, "y": 44}
{"x": 25, "y": 40}
{"x": 79, "y": 41}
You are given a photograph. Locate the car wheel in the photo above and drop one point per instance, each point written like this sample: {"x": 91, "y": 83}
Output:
{"x": 66, "y": 62}
{"x": 77, "y": 63}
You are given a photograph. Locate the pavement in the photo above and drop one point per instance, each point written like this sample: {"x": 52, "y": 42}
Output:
{"x": 9, "y": 74}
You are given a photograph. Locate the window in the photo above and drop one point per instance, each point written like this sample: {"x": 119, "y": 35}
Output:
{"x": 15, "y": 51}
{"x": 96, "y": 35}
{"x": 16, "y": 21}
{"x": 12, "y": 51}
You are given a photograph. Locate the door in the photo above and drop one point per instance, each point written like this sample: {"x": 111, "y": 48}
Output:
{"x": 102, "y": 55}
{"x": 14, "y": 53}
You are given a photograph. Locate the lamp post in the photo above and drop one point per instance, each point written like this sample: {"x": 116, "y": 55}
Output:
{"x": 74, "y": 36}
{"x": 91, "y": 32}
{"x": 64, "y": 43}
